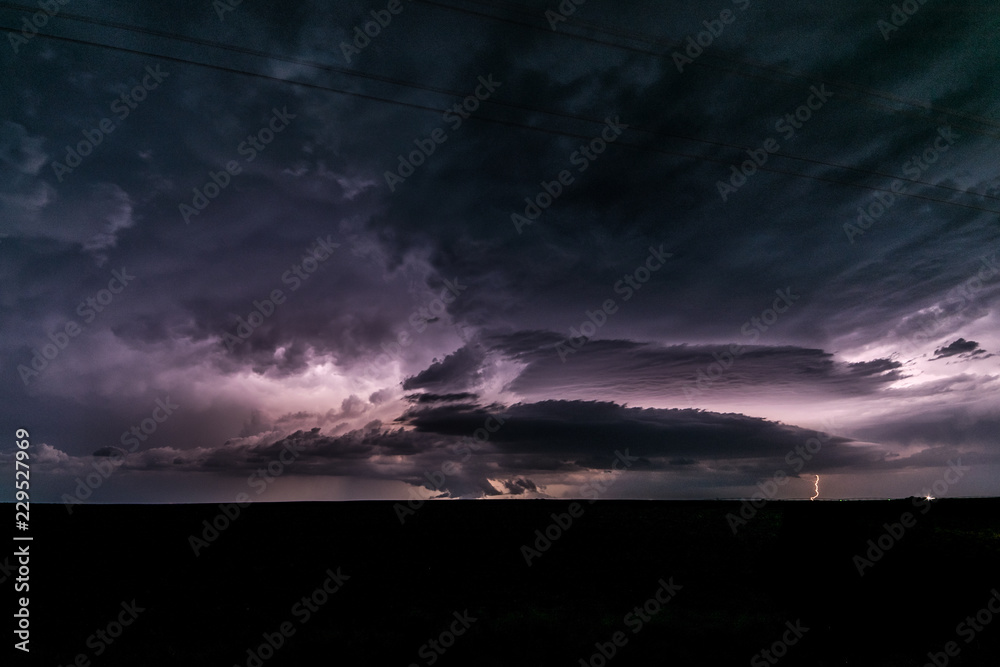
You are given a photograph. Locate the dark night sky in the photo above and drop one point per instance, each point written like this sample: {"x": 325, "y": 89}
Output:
{"x": 431, "y": 312}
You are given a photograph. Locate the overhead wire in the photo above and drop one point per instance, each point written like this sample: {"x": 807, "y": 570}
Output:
{"x": 478, "y": 117}
{"x": 499, "y": 102}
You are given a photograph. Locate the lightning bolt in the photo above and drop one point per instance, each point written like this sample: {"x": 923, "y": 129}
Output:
{"x": 817, "y": 489}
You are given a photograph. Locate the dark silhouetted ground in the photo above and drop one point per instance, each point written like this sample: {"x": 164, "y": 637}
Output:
{"x": 792, "y": 562}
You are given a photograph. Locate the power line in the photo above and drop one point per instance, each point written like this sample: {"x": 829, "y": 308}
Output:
{"x": 699, "y": 62}
{"x": 524, "y": 107}
{"x": 515, "y": 105}
{"x": 808, "y": 77}
{"x": 482, "y": 118}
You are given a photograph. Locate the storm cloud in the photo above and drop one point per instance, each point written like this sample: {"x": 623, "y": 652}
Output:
{"x": 371, "y": 255}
